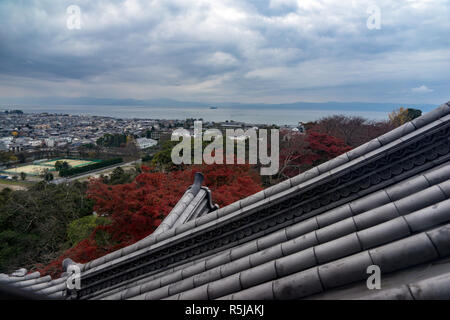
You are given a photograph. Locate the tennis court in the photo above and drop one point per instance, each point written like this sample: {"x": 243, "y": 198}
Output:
{"x": 72, "y": 162}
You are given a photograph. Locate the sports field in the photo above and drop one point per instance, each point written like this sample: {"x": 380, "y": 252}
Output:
{"x": 38, "y": 168}
{"x": 72, "y": 162}
{"x": 29, "y": 169}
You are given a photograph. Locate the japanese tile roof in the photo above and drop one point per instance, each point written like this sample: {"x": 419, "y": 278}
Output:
{"x": 385, "y": 203}
{"x": 32, "y": 285}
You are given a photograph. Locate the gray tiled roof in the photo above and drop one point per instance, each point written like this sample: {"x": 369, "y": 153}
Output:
{"x": 33, "y": 282}
{"x": 385, "y": 203}
{"x": 195, "y": 203}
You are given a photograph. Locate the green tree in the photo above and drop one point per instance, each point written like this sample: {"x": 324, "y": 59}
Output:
{"x": 82, "y": 228}
{"x": 148, "y": 133}
{"x": 22, "y": 157}
{"x": 65, "y": 166}
{"x": 23, "y": 176}
{"x": 117, "y": 175}
{"x": 61, "y": 165}
{"x": 402, "y": 115}
{"x": 58, "y": 165}
{"x": 120, "y": 176}
{"x": 413, "y": 113}
{"x": 48, "y": 176}
{"x": 33, "y": 223}
{"x": 163, "y": 158}
{"x": 5, "y": 157}
{"x": 112, "y": 140}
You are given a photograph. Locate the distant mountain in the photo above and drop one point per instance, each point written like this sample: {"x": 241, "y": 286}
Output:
{"x": 343, "y": 106}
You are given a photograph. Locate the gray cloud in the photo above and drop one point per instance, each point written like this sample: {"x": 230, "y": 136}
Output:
{"x": 228, "y": 50}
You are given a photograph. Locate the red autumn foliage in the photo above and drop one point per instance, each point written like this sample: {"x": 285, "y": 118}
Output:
{"x": 323, "y": 148}
{"x": 137, "y": 208}
{"x": 352, "y": 130}
{"x": 300, "y": 152}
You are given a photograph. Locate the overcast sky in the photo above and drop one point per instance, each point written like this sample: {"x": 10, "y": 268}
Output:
{"x": 271, "y": 51}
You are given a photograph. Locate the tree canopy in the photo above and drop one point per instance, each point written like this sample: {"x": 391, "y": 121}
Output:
{"x": 33, "y": 223}
{"x": 135, "y": 209}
